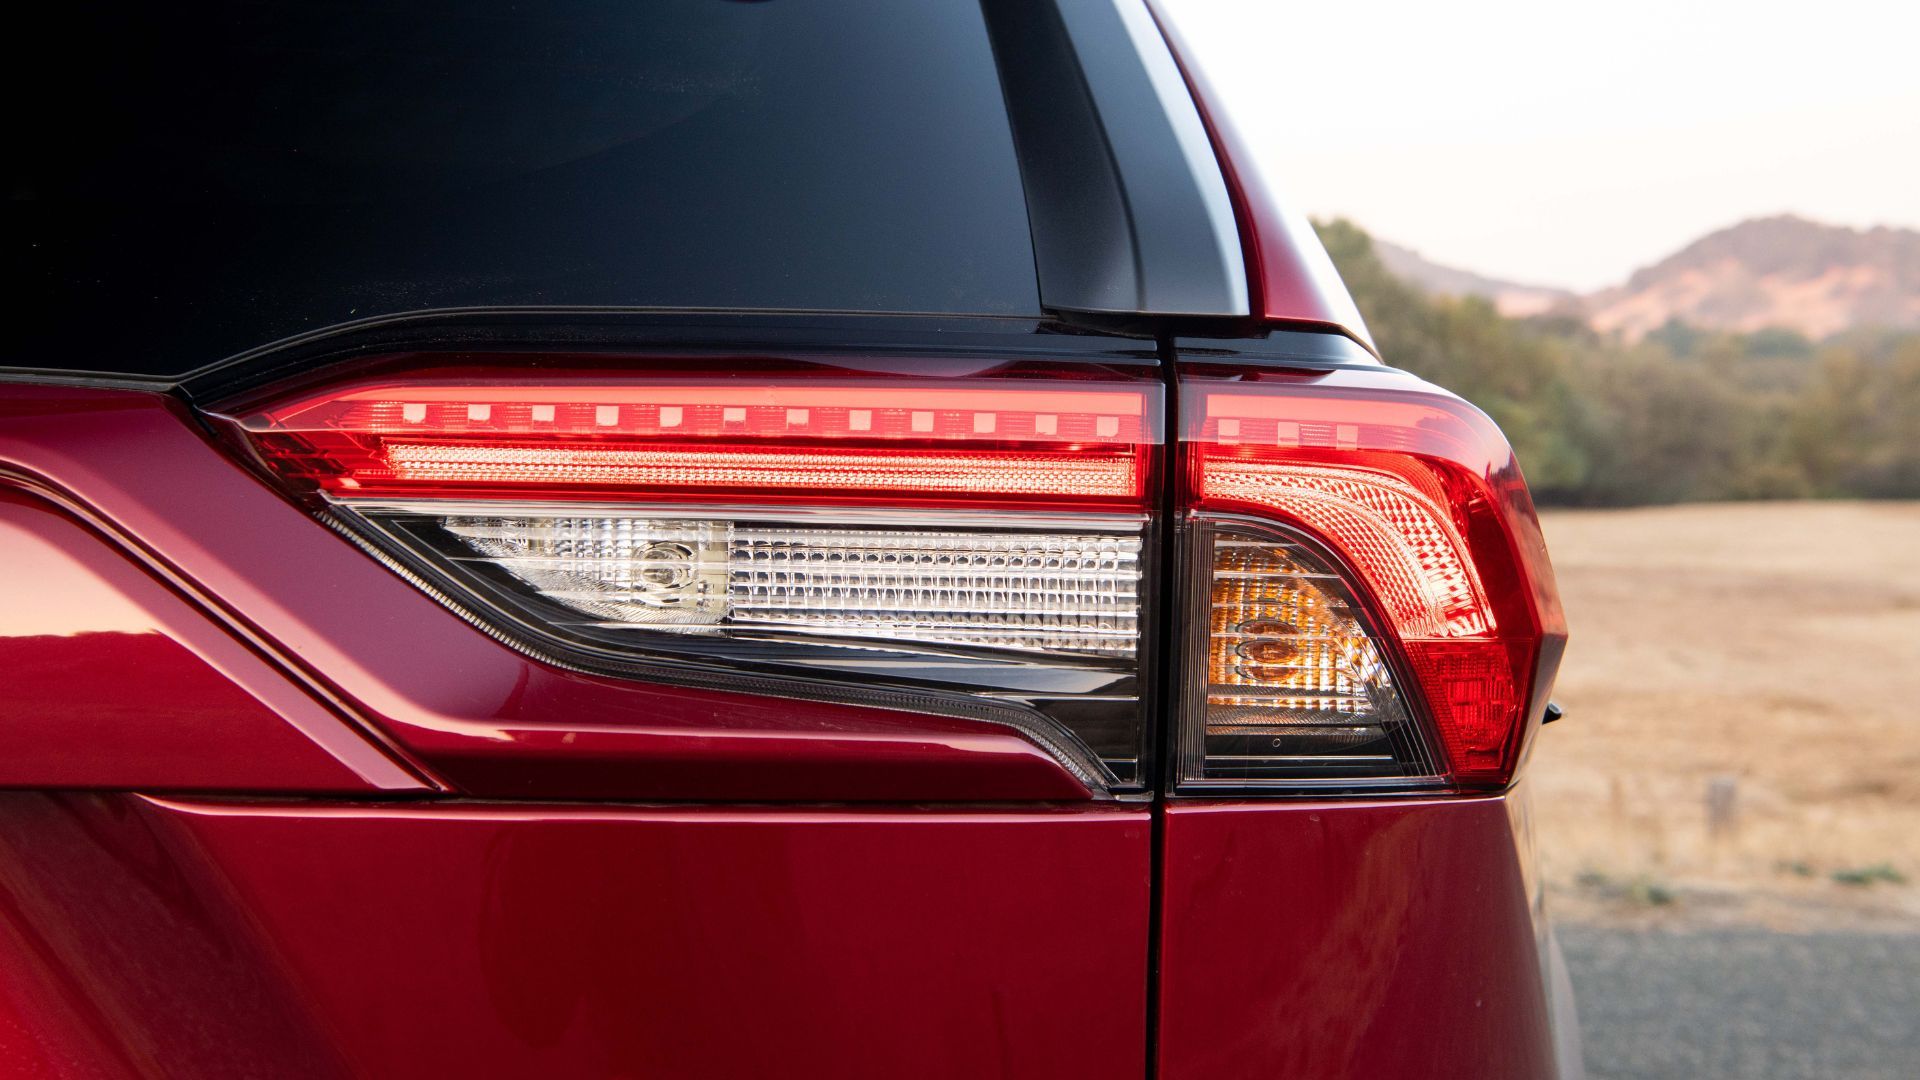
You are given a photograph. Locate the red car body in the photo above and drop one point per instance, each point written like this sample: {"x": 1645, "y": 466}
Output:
{"x": 274, "y": 809}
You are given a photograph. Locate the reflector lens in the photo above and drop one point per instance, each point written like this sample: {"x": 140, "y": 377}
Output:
{"x": 1474, "y": 698}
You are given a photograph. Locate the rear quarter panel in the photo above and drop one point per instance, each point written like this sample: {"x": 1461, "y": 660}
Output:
{"x": 1366, "y": 939}
{"x": 148, "y": 937}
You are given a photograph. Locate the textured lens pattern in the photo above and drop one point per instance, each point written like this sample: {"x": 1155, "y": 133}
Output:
{"x": 1285, "y": 645}
{"x": 1072, "y": 593}
{"x": 618, "y": 569}
{"x": 1294, "y": 681}
{"x": 1400, "y": 536}
{"x": 1055, "y": 592}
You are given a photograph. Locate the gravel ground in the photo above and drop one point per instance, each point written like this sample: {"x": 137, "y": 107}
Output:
{"x": 1746, "y": 1003}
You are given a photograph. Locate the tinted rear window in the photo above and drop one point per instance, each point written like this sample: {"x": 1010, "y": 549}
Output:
{"x": 192, "y": 184}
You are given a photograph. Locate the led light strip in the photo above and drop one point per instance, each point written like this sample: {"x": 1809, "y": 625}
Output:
{"x": 584, "y": 437}
{"x": 1025, "y": 414}
{"x": 986, "y": 472}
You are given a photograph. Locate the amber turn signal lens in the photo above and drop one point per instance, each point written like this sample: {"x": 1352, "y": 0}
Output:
{"x": 1297, "y": 688}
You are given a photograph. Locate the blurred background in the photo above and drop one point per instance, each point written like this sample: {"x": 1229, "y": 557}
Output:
{"x": 1674, "y": 249}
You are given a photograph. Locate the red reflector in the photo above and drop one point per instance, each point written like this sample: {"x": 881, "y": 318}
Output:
{"x": 926, "y": 441}
{"x": 1473, "y": 693}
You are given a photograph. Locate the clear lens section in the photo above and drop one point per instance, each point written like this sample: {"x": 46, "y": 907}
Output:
{"x": 1296, "y": 687}
{"x": 618, "y": 569}
{"x": 1056, "y": 592}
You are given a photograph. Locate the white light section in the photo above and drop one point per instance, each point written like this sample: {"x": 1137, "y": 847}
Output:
{"x": 1074, "y": 592}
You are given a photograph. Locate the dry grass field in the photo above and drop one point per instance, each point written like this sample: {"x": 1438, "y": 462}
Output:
{"x": 1742, "y": 741}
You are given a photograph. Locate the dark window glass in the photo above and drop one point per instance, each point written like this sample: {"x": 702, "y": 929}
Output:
{"x": 191, "y": 182}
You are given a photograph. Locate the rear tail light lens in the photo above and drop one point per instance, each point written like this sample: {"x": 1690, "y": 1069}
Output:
{"x": 1409, "y": 580}
{"x": 1368, "y": 604}
{"x": 970, "y": 546}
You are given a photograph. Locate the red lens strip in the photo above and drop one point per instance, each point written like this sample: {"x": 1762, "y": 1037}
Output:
{"x": 914, "y": 440}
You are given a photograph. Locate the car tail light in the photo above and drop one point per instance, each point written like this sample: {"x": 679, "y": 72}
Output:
{"x": 1367, "y": 603}
{"x": 972, "y": 546}
{"x": 1366, "y": 554}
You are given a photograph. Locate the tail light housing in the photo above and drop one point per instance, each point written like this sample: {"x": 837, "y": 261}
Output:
{"x": 974, "y": 546}
{"x": 1353, "y": 594}
{"x": 1370, "y": 597}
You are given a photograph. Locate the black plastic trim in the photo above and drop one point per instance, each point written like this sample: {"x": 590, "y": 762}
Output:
{"x": 1278, "y": 348}
{"x": 588, "y": 330}
{"x": 1121, "y": 217}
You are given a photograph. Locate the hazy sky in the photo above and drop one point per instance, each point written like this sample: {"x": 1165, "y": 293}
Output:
{"x": 1567, "y": 144}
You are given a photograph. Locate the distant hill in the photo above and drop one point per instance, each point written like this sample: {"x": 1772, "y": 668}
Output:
{"x": 1681, "y": 416}
{"x": 1512, "y": 299}
{"x": 1783, "y": 271}
{"x": 1773, "y": 272}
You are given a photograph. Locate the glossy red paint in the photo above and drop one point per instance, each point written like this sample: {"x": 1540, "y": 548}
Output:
{"x": 1292, "y": 280}
{"x": 458, "y": 706}
{"x": 1380, "y": 939}
{"x": 229, "y": 939}
{"x": 112, "y": 680}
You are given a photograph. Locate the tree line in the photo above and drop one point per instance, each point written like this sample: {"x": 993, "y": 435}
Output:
{"x": 1683, "y": 415}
